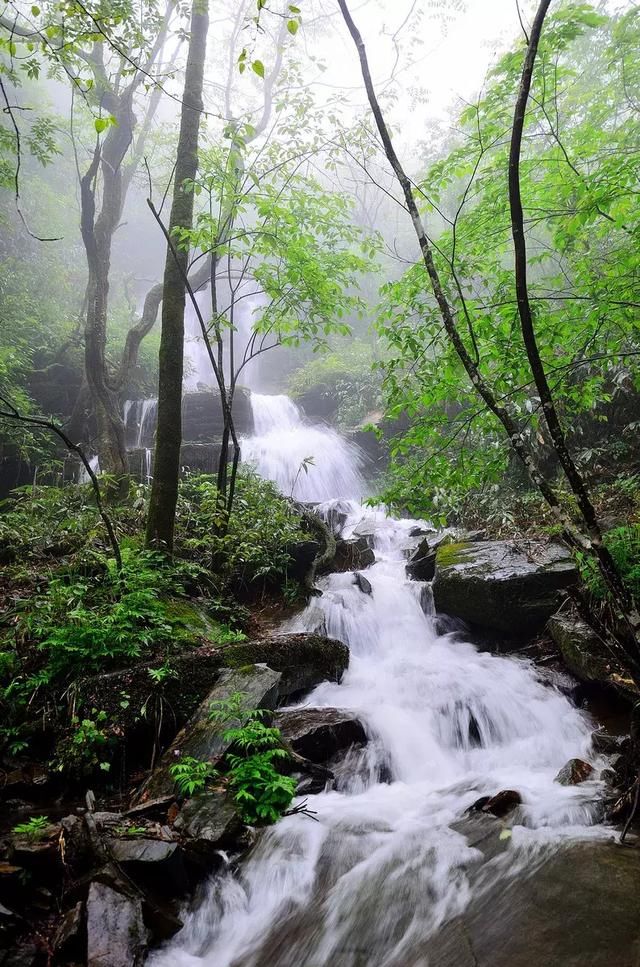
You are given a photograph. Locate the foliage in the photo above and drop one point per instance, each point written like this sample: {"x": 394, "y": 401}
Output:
{"x": 35, "y": 829}
{"x": 88, "y": 623}
{"x": 254, "y": 548}
{"x": 191, "y": 775}
{"x": 347, "y": 376}
{"x": 579, "y": 176}
{"x": 624, "y": 545}
{"x": 261, "y": 792}
{"x": 85, "y": 749}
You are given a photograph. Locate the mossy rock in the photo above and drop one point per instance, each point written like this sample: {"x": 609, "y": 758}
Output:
{"x": 501, "y": 586}
{"x": 304, "y": 659}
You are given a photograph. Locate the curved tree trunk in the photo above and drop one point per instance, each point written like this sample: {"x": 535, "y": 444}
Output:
{"x": 164, "y": 490}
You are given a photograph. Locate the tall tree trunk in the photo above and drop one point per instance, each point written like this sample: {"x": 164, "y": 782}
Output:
{"x": 164, "y": 491}
{"x": 585, "y": 534}
{"x": 97, "y": 235}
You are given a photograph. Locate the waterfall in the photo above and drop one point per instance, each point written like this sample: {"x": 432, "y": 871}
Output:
{"x": 311, "y": 463}
{"x": 139, "y": 418}
{"x": 388, "y": 861}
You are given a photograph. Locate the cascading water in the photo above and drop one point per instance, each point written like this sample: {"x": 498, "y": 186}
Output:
{"x": 283, "y": 443}
{"x": 387, "y": 861}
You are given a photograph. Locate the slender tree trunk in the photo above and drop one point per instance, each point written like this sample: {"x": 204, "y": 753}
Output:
{"x": 584, "y": 536}
{"x": 164, "y": 491}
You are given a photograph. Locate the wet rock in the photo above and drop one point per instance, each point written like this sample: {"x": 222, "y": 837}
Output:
{"x": 574, "y": 772}
{"x": 302, "y": 556}
{"x": 304, "y": 659}
{"x": 69, "y": 939}
{"x": 320, "y": 733}
{"x": 361, "y": 582}
{"x": 604, "y": 743}
{"x": 202, "y": 420}
{"x": 202, "y": 738}
{"x": 10, "y": 923}
{"x": 366, "y": 531}
{"x": 352, "y": 555}
{"x": 116, "y": 935}
{"x": 421, "y": 565}
{"x": 336, "y": 515}
{"x": 502, "y": 803}
{"x": 24, "y": 955}
{"x": 157, "y": 864}
{"x": 498, "y": 585}
{"x": 208, "y": 822}
{"x": 578, "y": 906}
{"x": 585, "y": 654}
{"x": 41, "y": 859}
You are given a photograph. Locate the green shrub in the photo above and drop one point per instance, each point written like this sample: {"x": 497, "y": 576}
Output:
{"x": 191, "y": 775}
{"x": 260, "y": 791}
{"x": 348, "y": 377}
{"x": 262, "y": 526}
{"x": 624, "y": 545}
{"x": 35, "y": 829}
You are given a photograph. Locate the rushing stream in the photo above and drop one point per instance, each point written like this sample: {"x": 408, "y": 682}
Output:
{"x": 387, "y": 860}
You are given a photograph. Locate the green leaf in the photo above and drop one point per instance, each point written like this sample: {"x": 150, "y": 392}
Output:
{"x": 292, "y": 26}
{"x": 101, "y": 124}
{"x": 258, "y": 68}
{"x": 35, "y": 11}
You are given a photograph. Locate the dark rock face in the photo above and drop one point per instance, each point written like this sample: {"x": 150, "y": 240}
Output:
{"x": 574, "y": 772}
{"x": 361, "y": 582}
{"x": 208, "y": 822}
{"x": 499, "y": 805}
{"x": 352, "y": 555}
{"x": 116, "y": 935}
{"x": 201, "y": 418}
{"x": 202, "y": 738}
{"x": 494, "y": 584}
{"x": 421, "y": 565}
{"x": 319, "y": 734}
{"x": 586, "y": 656}
{"x": 157, "y": 864}
{"x": 69, "y": 939}
{"x": 579, "y": 907}
{"x": 304, "y": 660}
{"x": 194, "y": 458}
{"x": 318, "y": 403}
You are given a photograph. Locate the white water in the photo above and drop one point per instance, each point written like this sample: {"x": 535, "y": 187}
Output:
{"x": 281, "y": 444}
{"x": 387, "y": 861}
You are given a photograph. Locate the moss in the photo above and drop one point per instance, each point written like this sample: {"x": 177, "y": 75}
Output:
{"x": 452, "y": 553}
{"x": 247, "y": 669}
{"x": 192, "y": 618}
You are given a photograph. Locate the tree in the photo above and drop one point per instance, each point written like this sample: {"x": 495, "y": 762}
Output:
{"x": 164, "y": 491}
{"x": 582, "y": 532}
{"x": 107, "y": 58}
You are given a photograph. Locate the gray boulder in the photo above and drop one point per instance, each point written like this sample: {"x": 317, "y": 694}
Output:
{"x": 319, "y": 734}
{"x": 352, "y": 555}
{"x": 501, "y": 586}
{"x": 303, "y": 659}
{"x": 586, "y": 655}
{"x": 116, "y": 935}
{"x": 202, "y": 738}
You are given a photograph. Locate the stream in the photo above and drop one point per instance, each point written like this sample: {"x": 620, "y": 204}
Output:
{"x": 388, "y": 858}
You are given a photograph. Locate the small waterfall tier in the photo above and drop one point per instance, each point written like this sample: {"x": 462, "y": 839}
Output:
{"x": 306, "y": 461}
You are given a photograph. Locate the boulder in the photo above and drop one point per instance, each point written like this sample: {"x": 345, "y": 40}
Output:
{"x": 362, "y": 583}
{"x": 304, "y": 659}
{"x": 157, "y": 864}
{"x": 319, "y": 734}
{"x": 352, "y": 555}
{"x": 68, "y": 942}
{"x": 577, "y": 906}
{"x": 583, "y": 651}
{"x": 574, "y": 772}
{"x": 421, "y": 565}
{"x": 501, "y": 586}
{"x": 208, "y": 822}
{"x": 116, "y": 935}
{"x": 202, "y": 738}
{"x": 499, "y": 805}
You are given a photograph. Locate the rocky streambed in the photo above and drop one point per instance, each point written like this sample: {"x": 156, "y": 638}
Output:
{"x": 460, "y": 799}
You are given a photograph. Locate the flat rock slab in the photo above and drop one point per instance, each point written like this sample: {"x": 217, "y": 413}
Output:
{"x": 116, "y": 935}
{"x": 501, "y": 586}
{"x": 320, "y": 733}
{"x": 580, "y": 908}
{"x": 202, "y": 738}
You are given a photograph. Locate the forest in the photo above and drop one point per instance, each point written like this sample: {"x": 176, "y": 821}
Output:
{"x": 319, "y": 483}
